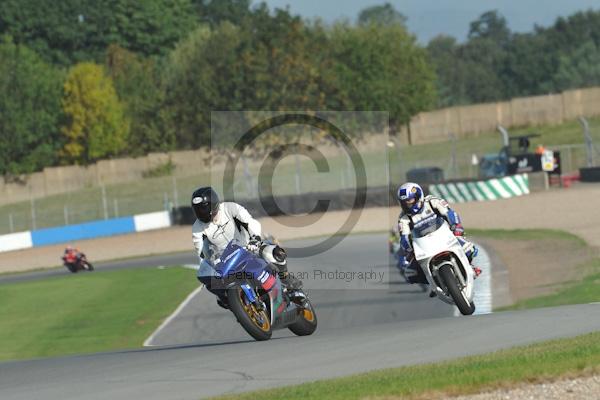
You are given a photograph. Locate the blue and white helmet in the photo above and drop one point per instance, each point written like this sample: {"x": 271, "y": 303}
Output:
{"x": 410, "y": 196}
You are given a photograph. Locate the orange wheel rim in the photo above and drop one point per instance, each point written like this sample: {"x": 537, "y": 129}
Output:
{"x": 255, "y": 315}
{"x": 308, "y": 315}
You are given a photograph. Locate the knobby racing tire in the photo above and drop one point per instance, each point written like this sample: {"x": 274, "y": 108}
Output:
{"x": 447, "y": 275}
{"x": 256, "y": 323}
{"x": 307, "y": 322}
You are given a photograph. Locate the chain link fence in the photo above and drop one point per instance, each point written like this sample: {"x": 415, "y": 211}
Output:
{"x": 294, "y": 174}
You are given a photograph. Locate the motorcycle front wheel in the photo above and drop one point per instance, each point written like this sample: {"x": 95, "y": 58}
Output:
{"x": 255, "y": 322}
{"x": 447, "y": 275}
{"x": 307, "y": 321}
{"x": 72, "y": 268}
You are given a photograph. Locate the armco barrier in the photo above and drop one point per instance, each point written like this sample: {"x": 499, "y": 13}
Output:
{"x": 15, "y": 241}
{"x": 491, "y": 189}
{"x": 155, "y": 220}
{"x": 88, "y": 230}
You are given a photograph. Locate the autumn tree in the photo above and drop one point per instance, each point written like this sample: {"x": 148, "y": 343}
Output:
{"x": 96, "y": 127}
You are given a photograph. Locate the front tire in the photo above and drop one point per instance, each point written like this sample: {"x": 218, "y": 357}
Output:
{"x": 72, "y": 268}
{"x": 447, "y": 275}
{"x": 90, "y": 267}
{"x": 255, "y": 322}
{"x": 307, "y": 322}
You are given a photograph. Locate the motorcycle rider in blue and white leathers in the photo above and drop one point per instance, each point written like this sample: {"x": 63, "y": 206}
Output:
{"x": 417, "y": 209}
{"x": 217, "y": 224}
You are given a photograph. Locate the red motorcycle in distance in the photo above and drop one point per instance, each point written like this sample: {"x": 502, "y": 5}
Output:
{"x": 76, "y": 261}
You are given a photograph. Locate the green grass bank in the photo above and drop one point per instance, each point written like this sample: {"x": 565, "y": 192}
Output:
{"x": 88, "y": 312}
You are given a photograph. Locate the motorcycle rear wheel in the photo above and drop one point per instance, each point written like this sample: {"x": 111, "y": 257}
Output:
{"x": 307, "y": 323}
{"x": 256, "y": 323}
{"x": 447, "y": 275}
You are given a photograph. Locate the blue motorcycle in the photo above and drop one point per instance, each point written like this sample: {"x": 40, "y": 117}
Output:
{"x": 257, "y": 297}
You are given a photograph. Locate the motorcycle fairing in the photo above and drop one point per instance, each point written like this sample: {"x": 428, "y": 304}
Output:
{"x": 243, "y": 266}
{"x": 433, "y": 239}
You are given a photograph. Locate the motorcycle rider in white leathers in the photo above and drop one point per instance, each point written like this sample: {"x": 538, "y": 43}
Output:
{"x": 216, "y": 225}
{"x": 418, "y": 209}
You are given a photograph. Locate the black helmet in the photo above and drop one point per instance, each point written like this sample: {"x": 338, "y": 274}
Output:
{"x": 205, "y": 203}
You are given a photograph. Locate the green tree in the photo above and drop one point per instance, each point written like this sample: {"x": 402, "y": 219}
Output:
{"x": 475, "y": 71}
{"x": 270, "y": 62}
{"x": 138, "y": 84}
{"x": 484, "y": 60}
{"x": 96, "y": 127}
{"x": 581, "y": 69}
{"x": 69, "y": 31}
{"x": 450, "y": 70}
{"x": 201, "y": 75}
{"x": 381, "y": 68}
{"x": 530, "y": 61}
{"x": 30, "y": 93}
{"x": 149, "y": 27}
{"x": 384, "y": 14}
{"x": 213, "y": 12}
{"x": 490, "y": 25}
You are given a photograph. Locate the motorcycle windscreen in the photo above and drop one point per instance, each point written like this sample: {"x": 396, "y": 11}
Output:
{"x": 231, "y": 259}
{"x": 432, "y": 239}
{"x": 239, "y": 263}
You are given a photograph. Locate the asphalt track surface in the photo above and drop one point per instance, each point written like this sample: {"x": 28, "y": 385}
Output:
{"x": 205, "y": 352}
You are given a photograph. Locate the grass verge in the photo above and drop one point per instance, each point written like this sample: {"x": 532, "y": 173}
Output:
{"x": 528, "y": 234}
{"x": 538, "y": 362}
{"x": 88, "y": 312}
{"x": 584, "y": 291}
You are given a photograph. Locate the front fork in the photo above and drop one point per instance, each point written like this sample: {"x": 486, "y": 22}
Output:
{"x": 458, "y": 273}
{"x": 252, "y": 298}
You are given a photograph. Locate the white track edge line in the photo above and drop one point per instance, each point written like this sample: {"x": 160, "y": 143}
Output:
{"x": 148, "y": 342}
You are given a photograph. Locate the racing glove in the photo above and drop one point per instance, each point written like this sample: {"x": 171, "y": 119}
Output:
{"x": 254, "y": 243}
{"x": 458, "y": 230}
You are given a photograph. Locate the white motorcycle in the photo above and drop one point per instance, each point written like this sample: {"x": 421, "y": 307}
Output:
{"x": 445, "y": 264}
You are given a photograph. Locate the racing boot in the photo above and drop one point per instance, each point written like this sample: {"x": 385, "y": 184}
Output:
{"x": 223, "y": 302}
{"x": 292, "y": 284}
{"x": 471, "y": 255}
{"x": 471, "y": 252}
{"x": 290, "y": 281}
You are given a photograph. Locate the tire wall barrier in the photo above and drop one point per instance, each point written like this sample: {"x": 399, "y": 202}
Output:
{"x": 87, "y": 230}
{"x": 381, "y": 196}
{"x": 491, "y": 189}
{"x": 589, "y": 174}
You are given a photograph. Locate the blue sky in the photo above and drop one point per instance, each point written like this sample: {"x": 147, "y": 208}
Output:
{"x": 428, "y": 18}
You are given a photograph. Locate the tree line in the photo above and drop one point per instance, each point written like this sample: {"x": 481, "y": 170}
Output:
{"x": 496, "y": 64}
{"x": 83, "y": 80}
